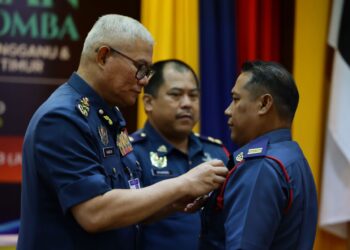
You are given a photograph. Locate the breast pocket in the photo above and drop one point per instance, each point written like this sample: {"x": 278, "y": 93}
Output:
{"x": 113, "y": 167}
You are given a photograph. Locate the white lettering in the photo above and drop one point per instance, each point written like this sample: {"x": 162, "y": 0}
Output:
{"x": 22, "y": 65}
{"x": 11, "y": 159}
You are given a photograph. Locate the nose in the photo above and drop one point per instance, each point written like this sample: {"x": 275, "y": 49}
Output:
{"x": 143, "y": 82}
{"x": 228, "y": 110}
{"x": 186, "y": 101}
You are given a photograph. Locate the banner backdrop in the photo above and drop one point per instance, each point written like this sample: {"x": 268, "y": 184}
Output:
{"x": 40, "y": 46}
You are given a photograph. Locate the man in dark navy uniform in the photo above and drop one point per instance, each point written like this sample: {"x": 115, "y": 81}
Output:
{"x": 269, "y": 199}
{"x": 81, "y": 181}
{"x": 166, "y": 147}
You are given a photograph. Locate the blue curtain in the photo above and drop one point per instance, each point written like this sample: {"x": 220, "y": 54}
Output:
{"x": 218, "y": 66}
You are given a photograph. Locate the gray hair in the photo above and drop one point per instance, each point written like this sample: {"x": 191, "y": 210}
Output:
{"x": 115, "y": 28}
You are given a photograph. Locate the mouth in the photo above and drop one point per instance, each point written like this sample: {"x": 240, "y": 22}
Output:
{"x": 137, "y": 91}
{"x": 184, "y": 116}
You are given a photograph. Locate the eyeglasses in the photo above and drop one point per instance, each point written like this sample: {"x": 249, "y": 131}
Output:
{"x": 143, "y": 69}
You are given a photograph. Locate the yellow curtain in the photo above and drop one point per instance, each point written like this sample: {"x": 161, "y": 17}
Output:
{"x": 310, "y": 72}
{"x": 174, "y": 26}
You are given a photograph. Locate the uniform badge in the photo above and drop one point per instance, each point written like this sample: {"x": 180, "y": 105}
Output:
{"x": 123, "y": 143}
{"x": 84, "y": 106}
{"x": 207, "y": 157}
{"x": 108, "y": 119}
{"x": 239, "y": 157}
{"x": 162, "y": 149}
{"x": 102, "y": 131}
{"x": 134, "y": 183}
{"x": 158, "y": 161}
{"x": 254, "y": 151}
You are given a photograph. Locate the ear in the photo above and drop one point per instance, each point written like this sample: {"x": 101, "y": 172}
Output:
{"x": 265, "y": 104}
{"x": 102, "y": 54}
{"x": 147, "y": 102}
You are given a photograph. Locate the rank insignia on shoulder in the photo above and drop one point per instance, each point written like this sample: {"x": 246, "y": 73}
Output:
{"x": 84, "y": 106}
{"x": 257, "y": 149}
{"x": 209, "y": 138}
{"x": 158, "y": 161}
{"x": 137, "y": 137}
{"x": 254, "y": 151}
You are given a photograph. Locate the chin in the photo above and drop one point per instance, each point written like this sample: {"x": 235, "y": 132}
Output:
{"x": 184, "y": 131}
{"x": 127, "y": 103}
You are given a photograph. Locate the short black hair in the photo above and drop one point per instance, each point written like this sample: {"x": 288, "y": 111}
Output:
{"x": 157, "y": 78}
{"x": 275, "y": 79}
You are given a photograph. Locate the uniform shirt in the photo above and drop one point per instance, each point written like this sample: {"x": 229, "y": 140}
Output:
{"x": 256, "y": 196}
{"x": 160, "y": 161}
{"x": 70, "y": 156}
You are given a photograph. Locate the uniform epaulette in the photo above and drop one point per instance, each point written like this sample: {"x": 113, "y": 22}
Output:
{"x": 138, "y": 136}
{"x": 256, "y": 149}
{"x": 209, "y": 139}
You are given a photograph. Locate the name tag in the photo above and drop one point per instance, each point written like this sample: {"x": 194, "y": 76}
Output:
{"x": 108, "y": 151}
{"x": 134, "y": 183}
{"x": 161, "y": 172}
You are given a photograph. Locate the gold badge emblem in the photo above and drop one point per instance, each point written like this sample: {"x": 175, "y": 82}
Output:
{"x": 158, "y": 161}
{"x": 123, "y": 143}
{"x": 102, "y": 131}
{"x": 239, "y": 157}
{"x": 84, "y": 106}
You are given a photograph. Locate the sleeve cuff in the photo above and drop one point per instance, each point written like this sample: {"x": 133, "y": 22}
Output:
{"x": 82, "y": 190}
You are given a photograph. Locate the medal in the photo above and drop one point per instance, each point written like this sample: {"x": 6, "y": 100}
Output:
{"x": 123, "y": 143}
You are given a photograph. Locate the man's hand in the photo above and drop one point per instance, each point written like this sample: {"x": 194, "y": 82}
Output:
{"x": 204, "y": 178}
{"x": 189, "y": 204}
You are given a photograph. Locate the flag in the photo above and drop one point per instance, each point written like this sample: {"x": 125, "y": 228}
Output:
{"x": 174, "y": 26}
{"x": 217, "y": 66}
{"x": 335, "y": 200}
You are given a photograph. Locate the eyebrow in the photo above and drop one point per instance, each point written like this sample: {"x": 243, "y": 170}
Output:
{"x": 181, "y": 89}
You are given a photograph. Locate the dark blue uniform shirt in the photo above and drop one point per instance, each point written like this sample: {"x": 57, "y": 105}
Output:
{"x": 70, "y": 155}
{"x": 160, "y": 161}
{"x": 255, "y": 213}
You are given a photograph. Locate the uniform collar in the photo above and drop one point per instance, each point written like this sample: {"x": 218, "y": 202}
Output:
{"x": 158, "y": 141}
{"x": 85, "y": 90}
{"x": 258, "y": 146}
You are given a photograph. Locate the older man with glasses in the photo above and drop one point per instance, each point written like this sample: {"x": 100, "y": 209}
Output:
{"x": 81, "y": 182}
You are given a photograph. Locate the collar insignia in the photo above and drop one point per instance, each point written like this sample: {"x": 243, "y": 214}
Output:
{"x": 84, "y": 106}
{"x": 239, "y": 157}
